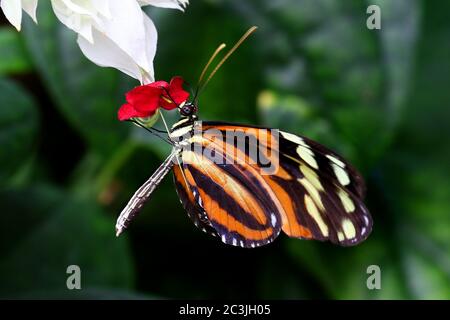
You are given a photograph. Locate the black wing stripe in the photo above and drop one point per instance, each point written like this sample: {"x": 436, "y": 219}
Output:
{"x": 245, "y": 140}
{"x": 239, "y": 208}
{"x": 194, "y": 211}
{"x": 330, "y": 165}
{"x": 225, "y": 201}
{"x": 343, "y": 213}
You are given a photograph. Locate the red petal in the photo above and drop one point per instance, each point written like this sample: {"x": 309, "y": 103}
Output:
{"x": 144, "y": 99}
{"x": 127, "y": 112}
{"x": 167, "y": 104}
{"x": 158, "y": 84}
{"x": 176, "y": 91}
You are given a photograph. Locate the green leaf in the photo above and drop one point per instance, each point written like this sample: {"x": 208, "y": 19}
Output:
{"x": 356, "y": 134}
{"x": 398, "y": 41}
{"x": 424, "y": 232}
{"x": 426, "y": 264}
{"x": 291, "y": 113}
{"x": 86, "y": 94}
{"x": 50, "y": 231}
{"x": 13, "y": 57}
{"x": 416, "y": 171}
{"x": 18, "y": 129}
{"x": 342, "y": 272}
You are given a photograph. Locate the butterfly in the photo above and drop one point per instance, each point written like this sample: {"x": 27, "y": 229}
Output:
{"x": 245, "y": 184}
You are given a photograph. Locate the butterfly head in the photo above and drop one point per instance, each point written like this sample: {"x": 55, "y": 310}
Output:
{"x": 188, "y": 109}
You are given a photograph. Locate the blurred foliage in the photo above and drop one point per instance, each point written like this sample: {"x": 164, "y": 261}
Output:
{"x": 380, "y": 98}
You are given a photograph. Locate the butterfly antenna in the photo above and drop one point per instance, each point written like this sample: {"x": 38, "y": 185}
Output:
{"x": 202, "y": 75}
{"x": 214, "y": 55}
{"x": 229, "y": 53}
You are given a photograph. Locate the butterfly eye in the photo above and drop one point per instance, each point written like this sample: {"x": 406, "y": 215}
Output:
{"x": 188, "y": 110}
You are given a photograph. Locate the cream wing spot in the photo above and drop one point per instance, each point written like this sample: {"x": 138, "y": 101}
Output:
{"x": 340, "y": 236}
{"x": 315, "y": 214}
{"x": 348, "y": 228}
{"x": 313, "y": 192}
{"x": 341, "y": 175}
{"x": 347, "y": 202}
{"x": 311, "y": 176}
{"x": 336, "y": 161}
{"x": 293, "y": 138}
{"x": 307, "y": 155}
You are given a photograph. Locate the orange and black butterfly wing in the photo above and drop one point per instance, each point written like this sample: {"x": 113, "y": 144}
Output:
{"x": 314, "y": 194}
{"x": 319, "y": 158}
{"x": 234, "y": 199}
{"x": 190, "y": 203}
{"x": 319, "y": 194}
{"x": 319, "y": 208}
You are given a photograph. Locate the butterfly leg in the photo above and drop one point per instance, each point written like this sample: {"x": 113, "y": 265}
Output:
{"x": 143, "y": 193}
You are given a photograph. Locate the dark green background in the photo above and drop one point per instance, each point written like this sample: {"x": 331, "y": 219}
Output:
{"x": 380, "y": 98}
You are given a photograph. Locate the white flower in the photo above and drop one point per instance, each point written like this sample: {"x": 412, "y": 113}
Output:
{"x": 13, "y": 10}
{"x": 81, "y": 16}
{"x": 111, "y": 33}
{"x": 131, "y": 55}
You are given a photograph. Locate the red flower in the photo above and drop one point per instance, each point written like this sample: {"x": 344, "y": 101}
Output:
{"x": 174, "y": 95}
{"x": 143, "y": 101}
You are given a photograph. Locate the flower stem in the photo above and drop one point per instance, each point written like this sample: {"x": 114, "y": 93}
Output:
{"x": 118, "y": 159}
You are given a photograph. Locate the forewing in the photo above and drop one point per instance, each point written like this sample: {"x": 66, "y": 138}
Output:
{"x": 326, "y": 191}
{"x": 326, "y": 162}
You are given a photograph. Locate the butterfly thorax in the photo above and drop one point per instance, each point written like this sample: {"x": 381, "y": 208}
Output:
{"x": 182, "y": 130}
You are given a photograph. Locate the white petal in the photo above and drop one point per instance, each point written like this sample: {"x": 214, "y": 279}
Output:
{"x": 171, "y": 4}
{"x": 30, "y": 7}
{"x": 13, "y": 12}
{"x": 104, "y": 52}
{"x": 151, "y": 41}
{"x": 102, "y": 6}
{"x": 74, "y": 17}
{"x": 131, "y": 32}
{"x": 84, "y": 7}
